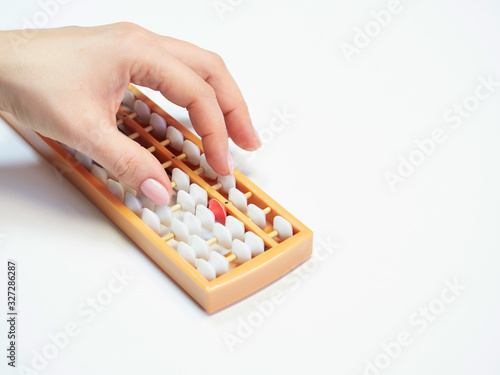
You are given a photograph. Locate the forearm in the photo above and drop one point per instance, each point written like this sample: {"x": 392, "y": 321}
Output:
{"x": 8, "y": 62}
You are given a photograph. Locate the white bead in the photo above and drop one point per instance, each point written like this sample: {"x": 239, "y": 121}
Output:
{"x": 223, "y": 235}
{"x": 208, "y": 171}
{"x": 200, "y": 246}
{"x": 199, "y": 194}
{"x": 192, "y": 152}
{"x": 206, "y": 234}
{"x": 146, "y": 203}
{"x": 283, "y": 227}
{"x": 165, "y": 215}
{"x": 238, "y": 199}
{"x": 227, "y": 182}
{"x": 164, "y": 230}
{"x": 159, "y": 125}
{"x": 187, "y": 252}
{"x": 127, "y": 188}
{"x": 133, "y": 203}
{"x": 257, "y": 215}
{"x": 143, "y": 111}
{"x": 242, "y": 251}
{"x": 236, "y": 227}
{"x": 220, "y": 263}
{"x": 111, "y": 175}
{"x": 193, "y": 223}
{"x": 181, "y": 179}
{"x": 206, "y": 217}
{"x": 186, "y": 201}
{"x": 115, "y": 188}
{"x": 70, "y": 150}
{"x": 99, "y": 173}
{"x": 151, "y": 219}
{"x": 180, "y": 230}
{"x": 206, "y": 269}
{"x": 128, "y": 100}
{"x": 84, "y": 160}
{"x": 255, "y": 243}
{"x": 176, "y": 138}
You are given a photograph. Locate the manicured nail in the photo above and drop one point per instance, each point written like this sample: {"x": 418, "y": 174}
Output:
{"x": 258, "y": 137}
{"x": 155, "y": 192}
{"x": 230, "y": 165}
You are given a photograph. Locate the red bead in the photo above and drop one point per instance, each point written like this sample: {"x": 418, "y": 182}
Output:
{"x": 219, "y": 211}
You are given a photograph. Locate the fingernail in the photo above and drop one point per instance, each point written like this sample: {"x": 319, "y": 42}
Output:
{"x": 155, "y": 192}
{"x": 257, "y": 136}
{"x": 230, "y": 165}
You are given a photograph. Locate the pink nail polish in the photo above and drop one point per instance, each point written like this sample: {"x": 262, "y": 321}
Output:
{"x": 155, "y": 192}
{"x": 258, "y": 137}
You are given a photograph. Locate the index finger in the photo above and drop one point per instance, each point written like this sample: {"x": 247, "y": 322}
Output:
{"x": 159, "y": 70}
{"x": 212, "y": 69}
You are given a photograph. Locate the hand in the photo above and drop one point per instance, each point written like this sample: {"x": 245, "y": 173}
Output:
{"x": 67, "y": 84}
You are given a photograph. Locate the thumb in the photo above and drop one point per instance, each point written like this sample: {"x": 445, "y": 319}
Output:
{"x": 134, "y": 165}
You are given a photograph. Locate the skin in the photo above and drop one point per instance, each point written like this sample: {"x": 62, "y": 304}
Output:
{"x": 68, "y": 83}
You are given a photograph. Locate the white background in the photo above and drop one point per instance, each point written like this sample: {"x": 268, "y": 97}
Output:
{"x": 394, "y": 251}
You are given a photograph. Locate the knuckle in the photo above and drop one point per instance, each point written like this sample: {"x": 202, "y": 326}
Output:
{"x": 126, "y": 166}
{"x": 129, "y": 33}
{"x": 207, "y": 92}
{"x": 126, "y": 25}
{"x": 215, "y": 62}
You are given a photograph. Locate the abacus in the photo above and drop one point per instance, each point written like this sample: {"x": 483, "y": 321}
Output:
{"x": 220, "y": 238}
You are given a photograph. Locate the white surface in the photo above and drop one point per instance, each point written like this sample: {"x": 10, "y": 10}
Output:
{"x": 331, "y": 130}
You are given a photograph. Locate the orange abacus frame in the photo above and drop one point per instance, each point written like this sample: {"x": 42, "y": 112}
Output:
{"x": 279, "y": 258}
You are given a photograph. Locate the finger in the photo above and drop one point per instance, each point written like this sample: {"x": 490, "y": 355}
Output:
{"x": 161, "y": 71}
{"x": 211, "y": 68}
{"x": 134, "y": 165}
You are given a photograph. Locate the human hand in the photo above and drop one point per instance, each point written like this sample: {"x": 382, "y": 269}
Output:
{"x": 68, "y": 83}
